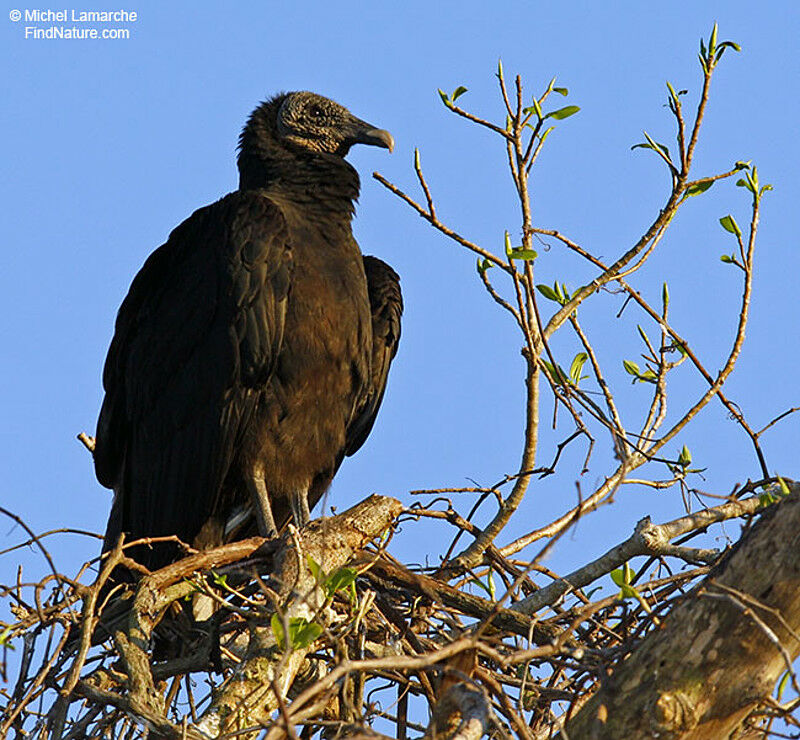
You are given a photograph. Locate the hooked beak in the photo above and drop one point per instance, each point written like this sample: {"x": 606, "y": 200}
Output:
{"x": 362, "y": 132}
{"x": 377, "y": 137}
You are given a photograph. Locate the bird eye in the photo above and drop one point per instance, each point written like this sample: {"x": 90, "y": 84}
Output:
{"x": 315, "y": 111}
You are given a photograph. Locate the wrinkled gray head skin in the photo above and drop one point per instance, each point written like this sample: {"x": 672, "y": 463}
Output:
{"x": 319, "y": 124}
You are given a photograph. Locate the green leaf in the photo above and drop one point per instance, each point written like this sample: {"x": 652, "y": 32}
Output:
{"x": 545, "y": 133}
{"x": 561, "y": 91}
{"x": 741, "y": 183}
{"x": 729, "y": 224}
{"x": 277, "y": 629}
{"x": 699, "y": 187}
{"x": 648, "y": 375}
{"x": 674, "y": 102}
{"x": 548, "y": 292}
{"x": 316, "y": 570}
{"x": 302, "y": 632}
{"x": 509, "y": 248}
{"x": 484, "y": 265}
{"x": 558, "y": 293}
{"x": 712, "y": 41}
{"x": 629, "y": 592}
{"x": 340, "y": 580}
{"x": 577, "y": 366}
{"x": 556, "y": 373}
{"x": 519, "y": 253}
{"x": 685, "y": 457}
{"x": 500, "y": 68}
{"x": 781, "y": 482}
{"x": 445, "y": 99}
{"x": 703, "y": 52}
{"x": 481, "y": 584}
{"x": 740, "y": 165}
{"x": 782, "y": 684}
{"x": 196, "y": 589}
{"x": 643, "y": 335}
{"x": 651, "y": 144}
{"x": 4, "y": 638}
{"x": 728, "y": 259}
{"x": 655, "y": 145}
{"x": 730, "y": 44}
{"x": 218, "y": 579}
{"x": 727, "y": 45}
{"x": 665, "y": 294}
{"x": 631, "y": 368}
{"x": 458, "y": 92}
{"x": 416, "y": 159}
{"x": 622, "y": 576}
{"x": 561, "y": 113}
{"x": 766, "y": 499}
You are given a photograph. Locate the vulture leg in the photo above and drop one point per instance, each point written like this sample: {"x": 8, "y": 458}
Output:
{"x": 266, "y": 522}
{"x": 299, "y": 503}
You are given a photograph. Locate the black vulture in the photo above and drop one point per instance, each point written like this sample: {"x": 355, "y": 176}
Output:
{"x": 252, "y": 350}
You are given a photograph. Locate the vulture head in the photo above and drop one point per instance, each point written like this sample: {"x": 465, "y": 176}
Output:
{"x": 310, "y": 121}
{"x": 300, "y": 123}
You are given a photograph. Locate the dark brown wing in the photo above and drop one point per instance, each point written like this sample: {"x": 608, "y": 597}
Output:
{"x": 386, "y": 305}
{"x": 195, "y": 340}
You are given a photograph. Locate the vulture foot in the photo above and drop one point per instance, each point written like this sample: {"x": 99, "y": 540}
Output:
{"x": 299, "y": 503}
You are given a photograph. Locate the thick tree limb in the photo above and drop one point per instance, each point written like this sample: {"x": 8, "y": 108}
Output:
{"x": 718, "y": 654}
{"x": 647, "y": 539}
{"x": 462, "y": 714}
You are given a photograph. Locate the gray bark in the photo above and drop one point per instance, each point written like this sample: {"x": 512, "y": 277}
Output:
{"x": 720, "y": 651}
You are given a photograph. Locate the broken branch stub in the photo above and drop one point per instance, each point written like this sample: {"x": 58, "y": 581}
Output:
{"x": 262, "y": 680}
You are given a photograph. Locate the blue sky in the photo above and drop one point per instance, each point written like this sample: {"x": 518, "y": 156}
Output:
{"x": 109, "y": 144}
